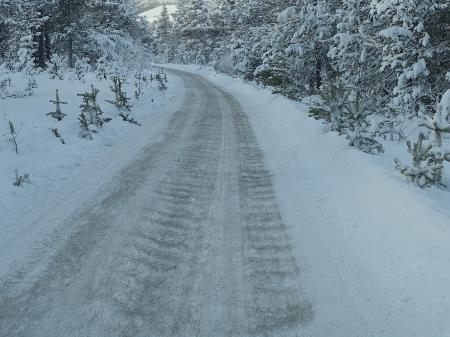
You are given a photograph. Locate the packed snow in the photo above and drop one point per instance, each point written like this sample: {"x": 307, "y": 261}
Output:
{"x": 373, "y": 250}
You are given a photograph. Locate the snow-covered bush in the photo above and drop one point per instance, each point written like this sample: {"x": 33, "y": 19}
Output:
{"x": 103, "y": 68}
{"x": 344, "y": 110}
{"x": 81, "y": 68}
{"x": 56, "y": 66}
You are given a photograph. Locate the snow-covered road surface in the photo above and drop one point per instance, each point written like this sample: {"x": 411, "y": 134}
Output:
{"x": 187, "y": 240}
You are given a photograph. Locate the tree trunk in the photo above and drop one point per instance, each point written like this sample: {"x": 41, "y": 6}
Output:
{"x": 318, "y": 73}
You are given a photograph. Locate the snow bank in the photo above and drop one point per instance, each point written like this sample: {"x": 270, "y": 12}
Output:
{"x": 374, "y": 251}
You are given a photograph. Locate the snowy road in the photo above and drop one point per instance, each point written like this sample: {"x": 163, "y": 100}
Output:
{"x": 187, "y": 242}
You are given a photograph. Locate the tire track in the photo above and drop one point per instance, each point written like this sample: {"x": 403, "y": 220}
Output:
{"x": 187, "y": 241}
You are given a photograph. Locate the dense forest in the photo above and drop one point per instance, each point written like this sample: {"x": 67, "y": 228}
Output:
{"x": 33, "y": 32}
{"x": 379, "y": 66}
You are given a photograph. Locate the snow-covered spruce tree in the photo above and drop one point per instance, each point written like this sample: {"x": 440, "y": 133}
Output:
{"x": 406, "y": 49}
{"x": 343, "y": 108}
{"x": 81, "y": 67}
{"x": 192, "y": 27}
{"x": 57, "y": 114}
{"x": 13, "y": 134}
{"x": 332, "y": 108}
{"x": 91, "y": 110}
{"x": 311, "y": 40}
{"x": 56, "y": 67}
{"x": 163, "y": 35}
{"x": 28, "y": 46}
{"x": 103, "y": 68}
{"x": 279, "y": 67}
{"x": 353, "y": 53}
{"x": 357, "y": 124}
{"x": 122, "y": 101}
{"x": 439, "y": 124}
{"x": 427, "y": 165}
{"x": 85, "y": 131}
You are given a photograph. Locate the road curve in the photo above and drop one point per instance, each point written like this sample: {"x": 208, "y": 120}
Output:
{"x": 185, "y": 241}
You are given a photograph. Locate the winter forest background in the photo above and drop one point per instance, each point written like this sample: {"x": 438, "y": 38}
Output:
{"x": 372, "y": 70}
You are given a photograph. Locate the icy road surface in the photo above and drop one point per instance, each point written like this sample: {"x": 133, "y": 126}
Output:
{"x": 187, "y": 241}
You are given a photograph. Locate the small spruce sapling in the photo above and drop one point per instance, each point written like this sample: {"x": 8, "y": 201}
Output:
{"x": 13, "y": 133}
{"x": 57, "y": 114}
{"x": 91, "y": 109}
{"x": 332, "y": 108}
{"x": 138, "y": 84}
{"x": 356, "y": 124}
{"x": 439, "y": 124}
{"x": 20, "y": 178}
{"x": 56, "y": 133}
{"x": 103, "y": 68}
{"x": 427, "y": 166}
{"x": 121, "y": 100}
{"x": 85, "y": 131}
{"x": 81, "y": 68}
{"x": 56, "y": 67}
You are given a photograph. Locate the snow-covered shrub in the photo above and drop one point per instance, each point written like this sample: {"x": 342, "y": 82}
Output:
{"x": 103, "y": 68}
{"x": 56, "y": 66}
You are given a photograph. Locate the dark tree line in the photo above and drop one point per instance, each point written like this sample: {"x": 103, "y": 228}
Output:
{"x": 31, "y": 31}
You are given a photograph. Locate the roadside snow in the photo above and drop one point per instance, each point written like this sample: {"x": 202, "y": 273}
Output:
{"x": 62, "y": 177}
{"x": 374, "y": 251}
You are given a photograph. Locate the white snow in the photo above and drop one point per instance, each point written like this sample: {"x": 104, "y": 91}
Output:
{"x": 152, "y": 15}
{"x": 62, "y": 176}
{"x": 374, "y": 251}
{"x": 395, "y": 32}
{"x": 445, "y": 103}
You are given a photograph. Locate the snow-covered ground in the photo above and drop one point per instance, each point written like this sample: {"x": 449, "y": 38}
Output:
{"x": 374, "y": 251}
{"x": 62, "y": 176}
{"x": 153, "y": 14}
